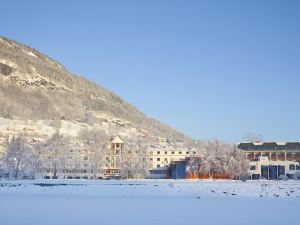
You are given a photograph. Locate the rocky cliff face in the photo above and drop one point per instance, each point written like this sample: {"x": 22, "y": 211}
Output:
{"x": 39, "y": 94}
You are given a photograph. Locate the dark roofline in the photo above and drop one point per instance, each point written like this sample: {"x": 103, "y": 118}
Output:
{"x": 268, "y": 143}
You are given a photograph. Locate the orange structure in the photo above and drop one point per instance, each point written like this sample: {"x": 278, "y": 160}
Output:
{"x": 207, "y": 177}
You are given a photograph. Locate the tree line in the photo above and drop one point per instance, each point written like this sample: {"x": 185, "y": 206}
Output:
{"x": 62, "y": 157}
{"x": 89, "y": 155}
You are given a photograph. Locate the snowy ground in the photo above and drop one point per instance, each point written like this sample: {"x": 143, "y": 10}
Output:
{"x": 149, "y": 202}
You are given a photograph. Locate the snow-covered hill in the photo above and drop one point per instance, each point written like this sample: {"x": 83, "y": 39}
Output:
{"x": 39, "y": 94}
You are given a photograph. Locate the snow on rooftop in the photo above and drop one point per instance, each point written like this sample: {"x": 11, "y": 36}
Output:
{"x": 281, "y": 143}
{"x": 262, "y": 143}
{"x": 258, "y": 143}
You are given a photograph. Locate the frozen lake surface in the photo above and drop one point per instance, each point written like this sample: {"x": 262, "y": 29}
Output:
{"x": 146, "y": 202}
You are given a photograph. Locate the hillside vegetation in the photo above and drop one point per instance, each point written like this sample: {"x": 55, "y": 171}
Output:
{"x": 35, "y": 87}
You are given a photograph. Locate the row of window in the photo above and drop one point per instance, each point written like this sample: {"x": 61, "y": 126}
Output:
{"x": 262, "y": 148}
{"x": 159, "y": 159}
{"x": 161, "y": 172}
{"x": 291, "y": 167}
{"x": 288, "y": 154}
{"x": 173, "y": 153}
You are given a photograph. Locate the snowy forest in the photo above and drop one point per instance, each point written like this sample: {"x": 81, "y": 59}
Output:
{"x": 88, "y": 154}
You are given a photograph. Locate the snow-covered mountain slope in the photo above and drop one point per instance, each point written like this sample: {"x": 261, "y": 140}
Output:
{"x": 39, "y": 94}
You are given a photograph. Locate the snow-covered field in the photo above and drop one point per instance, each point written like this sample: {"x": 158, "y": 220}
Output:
{"x": 146, "y": 202}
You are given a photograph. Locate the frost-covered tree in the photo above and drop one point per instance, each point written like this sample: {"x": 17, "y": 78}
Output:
{"x": 193, "y": 165}
{"x": 219, "y": 160}
{"x": 94, "y": 142}
{"x": 238, "y": 165}
{"x": 215, "y": 159}
{"x": 55, "y": 149}
{"x": 134, "y": 162}
{"x": 17, "y": 156}
{"x": 34, "y": 159}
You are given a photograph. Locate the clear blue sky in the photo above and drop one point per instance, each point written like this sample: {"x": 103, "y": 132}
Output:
{"x": 211, "y": 69}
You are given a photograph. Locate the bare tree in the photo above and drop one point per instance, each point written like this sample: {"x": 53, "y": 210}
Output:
{"x": 238, "y": 165}
{"x": 95, "y": 145}
{"x": 134, "y": 162}
{"x": 220, "y": 159}
{"x": 34, "y": 159}
{"x": 56, "y": 148}
{"x": 17, "y": 156}
{"x": 215, "y": 159}
{"x": 253, "y": 137}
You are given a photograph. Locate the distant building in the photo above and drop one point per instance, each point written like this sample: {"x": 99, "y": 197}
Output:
{"x": 289, "y": 151}
{"x": 161, "y": 159}
{"x": 271, "y": 160}
{"x": 177, "y": 170}
{"x": 265, "y": 168}
{"x": 116, "y": 147}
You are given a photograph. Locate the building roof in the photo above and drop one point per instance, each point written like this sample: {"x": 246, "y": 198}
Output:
{"x": 116, "y": 140}
{"x": 269, "y": 145}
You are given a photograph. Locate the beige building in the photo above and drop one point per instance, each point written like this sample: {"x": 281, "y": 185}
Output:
{"x": 269, "y": 169}
{"x": 272, "y": 160}
{"x": 161, "y": 158}
{"x": 116, "y": 148}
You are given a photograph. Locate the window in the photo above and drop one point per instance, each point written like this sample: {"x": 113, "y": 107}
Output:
{"x": 166, "y": 152}
{"x": 292, "y": 167}
{"x": 187, "y": 153}
{"x": 117, "y": 145}
{"x": 151, "y": 159}
{"x": 158, "y": 171}
{"x": 173, "y": 153}
{"x": 194, "y": 153}
{"x": 158, "y": 159}
{"x": 158, "y": 152}
{"x": 166, "y": 159}
{"x": 180, "y": 153}
{"x": 158, "y": 166}
{"x": 252, "y": 167}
